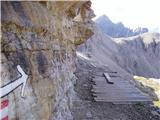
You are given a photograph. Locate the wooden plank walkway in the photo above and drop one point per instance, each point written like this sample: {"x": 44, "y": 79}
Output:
{"x": 116, "y": 90}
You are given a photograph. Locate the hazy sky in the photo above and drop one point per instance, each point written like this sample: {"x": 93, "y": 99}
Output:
{"x": 133, "y": 13}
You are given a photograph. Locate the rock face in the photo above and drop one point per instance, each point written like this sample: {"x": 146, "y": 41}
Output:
{"x": 116, "y": 30}
{"x": 140, "y": 55}
{"x": 42, "y": 37}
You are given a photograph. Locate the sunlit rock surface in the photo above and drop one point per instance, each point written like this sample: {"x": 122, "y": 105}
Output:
{"x": 149, "y": 85}
{"x": 41, "y": 37}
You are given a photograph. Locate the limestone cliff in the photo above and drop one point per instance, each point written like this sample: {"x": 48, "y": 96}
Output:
{"x": 42, "y": 37}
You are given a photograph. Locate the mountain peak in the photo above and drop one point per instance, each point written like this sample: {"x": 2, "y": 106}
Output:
{"x": 116, "y": 30}
{"x": 104, "y": 17}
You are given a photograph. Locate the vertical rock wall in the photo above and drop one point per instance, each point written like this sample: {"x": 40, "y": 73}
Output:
{"x": 41, "y": 37}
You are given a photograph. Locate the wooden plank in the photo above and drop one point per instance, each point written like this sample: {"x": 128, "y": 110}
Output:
{"x": 108, "y": 79}
{"x": 120, "y": 96}
{"x": 106, "y": 88}
{"x": 111, "y": 88}
{"x": 114, "y": 76}
{"x": 125, "y": 92}
{"x": 117, "y": 91}
{"x": 120, "y": 100}
{"x": 109, "y": 91}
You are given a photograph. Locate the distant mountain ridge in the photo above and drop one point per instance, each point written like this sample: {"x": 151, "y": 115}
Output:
{"x": 117, "y": 30}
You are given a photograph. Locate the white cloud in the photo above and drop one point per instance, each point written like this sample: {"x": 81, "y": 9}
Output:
{"x": 133, "y": 13}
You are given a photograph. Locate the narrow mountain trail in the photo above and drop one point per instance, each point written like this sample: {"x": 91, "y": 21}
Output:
{"x": 85, "y": 108}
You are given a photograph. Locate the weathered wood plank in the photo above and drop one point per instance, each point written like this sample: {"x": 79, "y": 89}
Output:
{"x": 110, "y": 87}
{"x": 108, "y": 79}
{"x": 123, "y": 96}
{"x": 117, "y": 91}
{"x": 121, "y": 100}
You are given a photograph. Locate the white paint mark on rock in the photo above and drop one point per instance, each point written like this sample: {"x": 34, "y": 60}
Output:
{"x": 10, "y": 87}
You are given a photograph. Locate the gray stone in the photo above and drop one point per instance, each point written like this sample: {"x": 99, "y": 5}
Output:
{"x": 89, "y": 114}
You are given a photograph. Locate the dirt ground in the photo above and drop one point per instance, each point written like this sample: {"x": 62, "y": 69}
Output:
{"x": 85, "y": 108}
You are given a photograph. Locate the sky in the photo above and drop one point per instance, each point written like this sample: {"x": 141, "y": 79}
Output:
{"x": 132, "y": 13}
